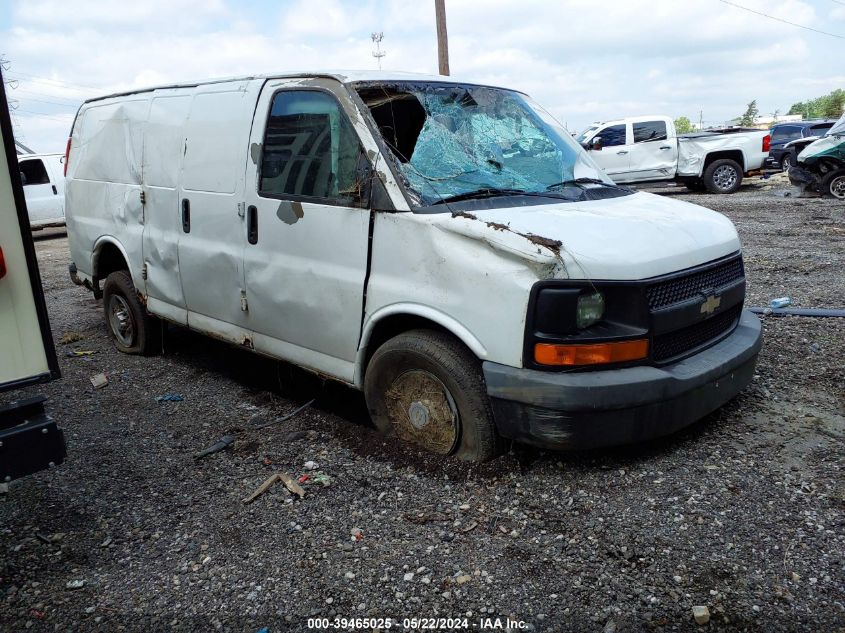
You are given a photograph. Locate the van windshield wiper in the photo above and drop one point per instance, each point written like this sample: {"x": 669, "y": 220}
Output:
{"x": 584, "y": 181}
{"x": 487, "y": 192}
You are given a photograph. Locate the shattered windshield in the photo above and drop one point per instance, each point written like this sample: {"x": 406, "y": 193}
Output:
{"x": 452, "y": 142}
{"x": 838, "y": 128}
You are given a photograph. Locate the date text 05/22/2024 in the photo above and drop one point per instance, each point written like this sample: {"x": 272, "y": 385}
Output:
{"x": 416, "y": 624}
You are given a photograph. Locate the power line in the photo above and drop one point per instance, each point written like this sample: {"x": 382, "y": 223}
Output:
{"x": 838, "y": 2}
{"x": 40, "y": 79}
{"x": 67, "y": 100}
{"x": 55, "y": 103}
{"x": 771, "y": 17}
{"x": 42, "y": 115}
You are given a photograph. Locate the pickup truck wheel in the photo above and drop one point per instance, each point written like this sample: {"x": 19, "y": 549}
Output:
{"x": 723, "y": 176}
{"x": 426, "y": 388}
{"x": 834, "y": 184}
{"x": 787, "y": 161}
{"x": 132, "y": 329}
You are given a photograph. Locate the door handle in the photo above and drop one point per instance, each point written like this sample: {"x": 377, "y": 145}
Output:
{"x": 252, "y": 224}
{"x": 55, "y": 191}
{"x": 665, "y": 147}
{"x": 624, "y": 151}
{"x": 186, "y": 215}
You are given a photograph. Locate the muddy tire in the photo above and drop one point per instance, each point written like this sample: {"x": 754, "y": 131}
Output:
{"x": 834, "y": 184}
{"x": 131, "y": 328}
{"x": 722, "y": 176}
{"x": 427, "y": 388}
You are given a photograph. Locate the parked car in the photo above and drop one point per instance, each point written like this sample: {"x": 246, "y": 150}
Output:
{"x": 820, "y": 165}
{"x": 445, "y": 247}
{"x": 783, "y": 134}
{"x": 43, "y": 181}
{"x": 646, "y": 148}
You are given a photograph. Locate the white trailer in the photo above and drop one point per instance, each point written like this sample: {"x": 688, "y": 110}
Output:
{"x": 29, "y": 439}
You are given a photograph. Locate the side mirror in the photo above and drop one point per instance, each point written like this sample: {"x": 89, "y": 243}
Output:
{"x": 23, "y": 178}
{"x": 595, "y": 144}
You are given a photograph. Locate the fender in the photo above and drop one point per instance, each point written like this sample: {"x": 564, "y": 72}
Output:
{"x": 451, "y": 325}
{"x": 98, "y": 246}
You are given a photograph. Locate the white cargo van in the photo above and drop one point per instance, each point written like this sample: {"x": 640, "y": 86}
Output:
{"x": 446, "y": 247}
{"x": 43, "y": 181}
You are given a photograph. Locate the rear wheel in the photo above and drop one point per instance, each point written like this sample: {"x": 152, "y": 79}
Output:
{"x": 132, "y": 329}
{"x": 723, "y": 176}
{"x": 834, "y": 184}
{"x": 426, "y": 388}
{"x": 787, "y": 161}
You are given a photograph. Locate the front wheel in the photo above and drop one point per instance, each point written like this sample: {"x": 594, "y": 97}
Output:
{"x": 723, "y": 176}
{"x": 426, "y": 388}
{"x": 834, "y": 184}
{"x": 132, "y": 329}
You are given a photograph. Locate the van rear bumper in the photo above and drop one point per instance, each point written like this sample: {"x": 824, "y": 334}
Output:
{"x": 591, "y": 409}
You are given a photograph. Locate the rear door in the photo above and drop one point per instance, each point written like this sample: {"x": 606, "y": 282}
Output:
{"x": 613, "y": 156}
{"x": 164, "y": 145}
{"x": 306, "y": 254}
{"x": 211, "y": 229}
{"x": 653, "y": 156}
{"x": 43, "y": 201}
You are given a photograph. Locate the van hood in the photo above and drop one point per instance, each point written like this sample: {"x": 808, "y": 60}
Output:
{"x": 631, "y": 237}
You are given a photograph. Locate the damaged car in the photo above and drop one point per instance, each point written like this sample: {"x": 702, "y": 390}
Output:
{"x": 820, "y": 165}
{"x": 445, "y": 247}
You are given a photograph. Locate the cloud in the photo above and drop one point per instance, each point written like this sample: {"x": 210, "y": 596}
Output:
{"x": 583, "y": 60}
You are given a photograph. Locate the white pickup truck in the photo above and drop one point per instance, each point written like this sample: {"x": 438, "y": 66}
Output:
{"x": 647, "y": 148}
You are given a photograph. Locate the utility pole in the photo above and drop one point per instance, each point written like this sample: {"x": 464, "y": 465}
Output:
{"x": 378, "y": 53}
{"x": 442, "y": 37}
{"x": 700, "y": 120}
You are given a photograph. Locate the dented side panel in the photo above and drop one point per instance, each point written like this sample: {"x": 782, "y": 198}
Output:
{"x": 479, "y": 280}
{"x": 210, "y": 252}
{"x": 164, "y": 142}
{"x": 103, "y": 190}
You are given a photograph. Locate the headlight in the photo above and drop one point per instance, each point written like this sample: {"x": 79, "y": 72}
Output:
{"x": 589, "y": 310}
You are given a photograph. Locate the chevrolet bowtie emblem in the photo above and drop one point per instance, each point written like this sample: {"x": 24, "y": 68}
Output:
{"x": 710, "y": 304}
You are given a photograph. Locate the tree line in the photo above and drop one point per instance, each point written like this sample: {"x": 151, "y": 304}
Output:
{"x": 829, "y": 106}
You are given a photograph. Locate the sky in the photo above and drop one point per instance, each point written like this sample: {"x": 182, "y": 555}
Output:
{"x": 584, "y": 60}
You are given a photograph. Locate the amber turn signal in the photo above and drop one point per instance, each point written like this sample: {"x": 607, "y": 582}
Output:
{"x": 590, "y": 354}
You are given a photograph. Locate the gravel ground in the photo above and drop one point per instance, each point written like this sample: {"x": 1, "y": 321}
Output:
{"x": 741, "y": 513}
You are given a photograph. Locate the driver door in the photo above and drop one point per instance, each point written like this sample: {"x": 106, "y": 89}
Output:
{"x": 613, "y": 156}
{"x": 305, "y": 260}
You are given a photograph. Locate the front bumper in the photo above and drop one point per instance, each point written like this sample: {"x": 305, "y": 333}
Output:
{"x": 589, "y": 409}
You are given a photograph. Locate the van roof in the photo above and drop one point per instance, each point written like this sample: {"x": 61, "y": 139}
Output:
{"x": 343, "y": 76}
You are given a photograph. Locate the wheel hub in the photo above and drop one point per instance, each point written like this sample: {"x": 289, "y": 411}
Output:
{"x": 423, "y": 411}
{"x": 837, "y": 187}
{"x": 724, "y": 177}
{"x": 120, "y": 320}
{"x": 418, "y": 414}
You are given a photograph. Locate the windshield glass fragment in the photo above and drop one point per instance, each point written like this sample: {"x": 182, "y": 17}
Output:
{"x": 451, "y": 141}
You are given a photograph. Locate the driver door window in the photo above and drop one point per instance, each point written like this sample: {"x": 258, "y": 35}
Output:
{"x": 612, "y": 136}
{"x": 310, "y": 149}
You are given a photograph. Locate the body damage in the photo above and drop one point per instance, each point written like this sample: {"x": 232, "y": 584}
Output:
{"x": 320, "y": 277}
{"x": 478, "y": 267}
{"x": 821, "y": 164}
